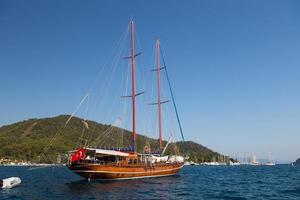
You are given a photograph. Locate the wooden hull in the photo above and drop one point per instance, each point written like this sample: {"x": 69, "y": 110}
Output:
{"x": 111, "y": 172}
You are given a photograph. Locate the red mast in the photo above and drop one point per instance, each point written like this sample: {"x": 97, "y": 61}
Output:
{"x": 133, "y": 85}
{"x": 158, "y": 93}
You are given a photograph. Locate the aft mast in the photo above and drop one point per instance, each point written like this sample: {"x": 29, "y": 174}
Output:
{"x": 159, "y": 102}
{"x": 158, "y": 93}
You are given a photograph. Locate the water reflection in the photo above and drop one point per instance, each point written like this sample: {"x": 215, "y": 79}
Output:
{"x": 136, "y": 188}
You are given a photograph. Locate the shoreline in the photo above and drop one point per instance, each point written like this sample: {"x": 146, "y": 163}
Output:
{"x": 30, "y": 165}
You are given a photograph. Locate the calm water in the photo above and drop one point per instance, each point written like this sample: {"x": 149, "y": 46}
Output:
{"x": 193, "y": 182}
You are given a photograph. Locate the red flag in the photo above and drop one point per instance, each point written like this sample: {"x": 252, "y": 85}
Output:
{"x": 79, "y": 154}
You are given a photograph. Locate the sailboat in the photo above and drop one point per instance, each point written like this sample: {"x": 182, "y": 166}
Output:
{"x": 253, "y": 161}
{"x": 115, "y": 163}
{"x": 269, "y": 163}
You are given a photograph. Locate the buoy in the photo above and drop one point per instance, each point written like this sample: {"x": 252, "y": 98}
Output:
{"x": 10, "y": 182}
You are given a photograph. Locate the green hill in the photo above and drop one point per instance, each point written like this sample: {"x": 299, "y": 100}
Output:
{"x": 29, "y": 139}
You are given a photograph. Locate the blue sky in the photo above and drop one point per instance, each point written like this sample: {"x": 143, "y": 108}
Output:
{"x": 234, "y": 65}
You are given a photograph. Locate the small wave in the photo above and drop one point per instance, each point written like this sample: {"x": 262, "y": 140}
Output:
{"x": 239, "y": 198}
{"x": 292, "y": 191}
{"x": 231, "y": 197}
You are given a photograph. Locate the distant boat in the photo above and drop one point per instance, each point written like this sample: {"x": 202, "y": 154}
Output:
{"x": 270, "y": 162}
{"x": 190, "y": 163}
{"x": 211, "y": 163}
{"x": 128, "y": 163}
{"x": 254, "y": 162}
{"x": 193, "y": 163}
{"x": 234, "y": 163}
{"x": 187, "y": 163}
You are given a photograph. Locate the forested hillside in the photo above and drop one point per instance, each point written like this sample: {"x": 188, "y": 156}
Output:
{"x": 46, "y": 139}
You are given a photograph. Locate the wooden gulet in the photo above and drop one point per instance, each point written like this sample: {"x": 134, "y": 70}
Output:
{"x": 93, "y": 163}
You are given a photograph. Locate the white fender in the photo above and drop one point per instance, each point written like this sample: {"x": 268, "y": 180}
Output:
{"x": 10, "y": 182}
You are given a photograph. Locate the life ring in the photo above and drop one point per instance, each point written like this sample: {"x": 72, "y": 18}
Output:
{"x": 147, "y": 149}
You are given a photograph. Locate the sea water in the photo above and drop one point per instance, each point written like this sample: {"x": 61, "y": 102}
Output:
{"x": 193, "y": 182}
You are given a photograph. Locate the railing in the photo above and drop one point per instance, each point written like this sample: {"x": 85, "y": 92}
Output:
{"x": 94, "y": 161}
{"x": 123, "y": 163}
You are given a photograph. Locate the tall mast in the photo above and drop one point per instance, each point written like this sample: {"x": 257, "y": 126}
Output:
{"x": 158, "y": 93}
{"x": 133, "y": 85}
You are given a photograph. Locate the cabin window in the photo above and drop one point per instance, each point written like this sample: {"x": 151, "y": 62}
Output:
{"x": 130, "y": 161}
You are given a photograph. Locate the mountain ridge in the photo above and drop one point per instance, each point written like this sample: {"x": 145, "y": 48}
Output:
{"x": 43, "y": 139}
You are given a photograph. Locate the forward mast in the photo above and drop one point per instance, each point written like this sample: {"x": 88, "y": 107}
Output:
{"x": 133, "y": 87}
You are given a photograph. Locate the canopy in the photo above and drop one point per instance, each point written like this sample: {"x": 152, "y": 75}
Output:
{"x": 108, "y": 152}
{"x": 160, "y": 158}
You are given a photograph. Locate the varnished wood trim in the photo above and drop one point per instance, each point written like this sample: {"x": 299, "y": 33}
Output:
{"x": 112, "y": 172}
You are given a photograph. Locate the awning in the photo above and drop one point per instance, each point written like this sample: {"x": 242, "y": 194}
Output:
{"x": 108, "y": 152}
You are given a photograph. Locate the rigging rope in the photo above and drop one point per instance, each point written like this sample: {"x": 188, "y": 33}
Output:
{"x": 125, "y": 104}
{"x": 108, "y": 79}
{"x": 60, "y": 129}
{"x": 72, "y": 115}
{"x": 173, "y": 99}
